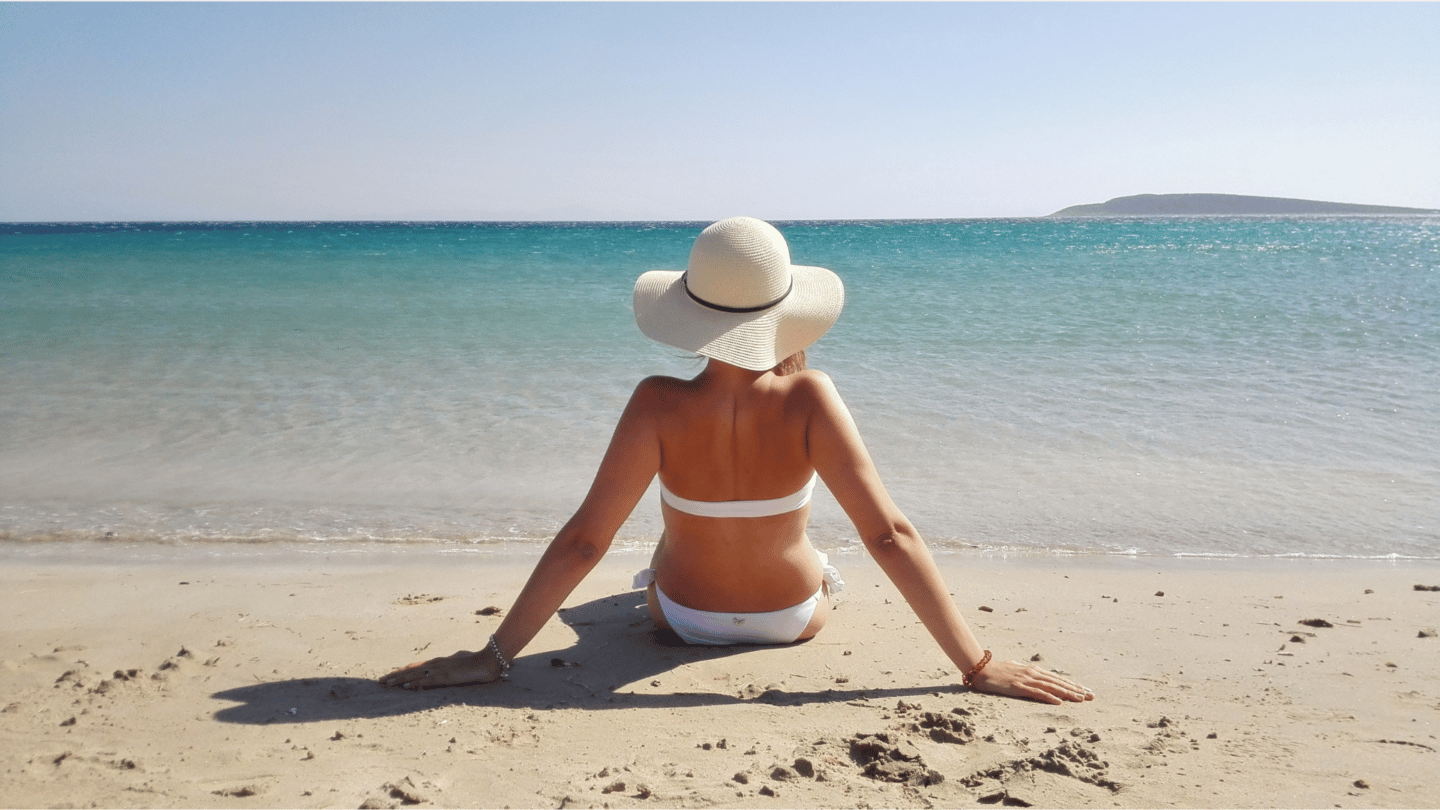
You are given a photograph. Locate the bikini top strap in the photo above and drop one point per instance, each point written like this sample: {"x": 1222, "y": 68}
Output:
{"x": 740, "y": 509}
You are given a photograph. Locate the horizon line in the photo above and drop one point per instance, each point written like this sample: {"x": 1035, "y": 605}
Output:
{"x": 1416, "y": 213}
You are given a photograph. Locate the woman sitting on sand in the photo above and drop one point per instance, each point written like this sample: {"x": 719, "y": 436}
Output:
{"x": 737, "y": 450}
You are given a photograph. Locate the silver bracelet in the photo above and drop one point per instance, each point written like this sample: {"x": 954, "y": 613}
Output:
{"x": 504, "y": 665}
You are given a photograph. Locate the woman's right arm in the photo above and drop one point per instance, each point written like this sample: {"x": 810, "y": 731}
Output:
{"x": 839, "y": 455}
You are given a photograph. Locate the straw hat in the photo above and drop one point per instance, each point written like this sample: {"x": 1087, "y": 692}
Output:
{"x": 741, "y": 300}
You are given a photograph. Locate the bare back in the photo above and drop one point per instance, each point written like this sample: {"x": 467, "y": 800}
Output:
{"x": 727, "y": 435}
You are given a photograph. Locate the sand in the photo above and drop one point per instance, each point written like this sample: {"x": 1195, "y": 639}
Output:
{"x": 192, "y": 679}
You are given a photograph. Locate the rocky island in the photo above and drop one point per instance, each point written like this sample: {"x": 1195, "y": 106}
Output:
{"x": 1144, "y": 205}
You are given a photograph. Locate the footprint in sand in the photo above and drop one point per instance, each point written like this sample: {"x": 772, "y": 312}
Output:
{"x": 1070, "y": 758}
{"x": 892, "y": 760}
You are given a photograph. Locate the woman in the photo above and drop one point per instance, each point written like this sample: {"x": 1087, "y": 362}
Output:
{"x": 737, "y": 450}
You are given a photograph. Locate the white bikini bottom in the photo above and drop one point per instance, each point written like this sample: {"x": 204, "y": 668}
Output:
{"x": 770, "y": 627}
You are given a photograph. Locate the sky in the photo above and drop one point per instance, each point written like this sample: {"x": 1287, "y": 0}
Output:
{"x": 699, "y": 111}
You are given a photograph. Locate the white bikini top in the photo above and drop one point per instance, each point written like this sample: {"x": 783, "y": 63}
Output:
{"x": 740, "y": 509}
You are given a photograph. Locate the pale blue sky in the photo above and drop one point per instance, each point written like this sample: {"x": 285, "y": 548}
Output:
{"x": 701, "y": 111}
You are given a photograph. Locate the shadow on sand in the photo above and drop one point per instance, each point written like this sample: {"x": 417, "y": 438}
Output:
{"x": 616, "y": 646}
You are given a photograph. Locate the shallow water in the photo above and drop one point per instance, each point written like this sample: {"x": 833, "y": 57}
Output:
{"x": 1219, "y": 386}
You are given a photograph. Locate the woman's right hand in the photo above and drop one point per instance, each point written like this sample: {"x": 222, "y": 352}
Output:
{"x": 462, "y": 668}
{"x": 1014, "y": 679}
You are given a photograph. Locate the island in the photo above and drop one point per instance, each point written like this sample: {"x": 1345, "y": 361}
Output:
{"x": 1149, "y": 205}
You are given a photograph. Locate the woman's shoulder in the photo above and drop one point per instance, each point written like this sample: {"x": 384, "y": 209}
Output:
{"x": 808, "y": 386}
{"x": 811, "y": 391}
{"x": 812, "y": 382}
{"x": 659, "y": 382}
{"x": 658, "y": 391}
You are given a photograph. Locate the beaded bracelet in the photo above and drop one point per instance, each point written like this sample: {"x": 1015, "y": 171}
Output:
{"x": 970, "y": 676}
{"x": 505, "y": 665}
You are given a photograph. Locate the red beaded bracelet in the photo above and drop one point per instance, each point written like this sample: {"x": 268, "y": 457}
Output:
{"x": 970, "y": 676}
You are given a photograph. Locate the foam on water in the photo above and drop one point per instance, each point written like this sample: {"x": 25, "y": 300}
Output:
{"x": 1219, "y": 386}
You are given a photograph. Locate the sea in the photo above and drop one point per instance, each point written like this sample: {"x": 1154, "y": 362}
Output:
{"x": 1231, "y": 387}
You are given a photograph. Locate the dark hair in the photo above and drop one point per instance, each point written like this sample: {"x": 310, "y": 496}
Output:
{"x": 791, "y": 364}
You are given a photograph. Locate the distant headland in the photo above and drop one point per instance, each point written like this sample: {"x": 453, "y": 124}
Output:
{"x": 1143, "y": 205}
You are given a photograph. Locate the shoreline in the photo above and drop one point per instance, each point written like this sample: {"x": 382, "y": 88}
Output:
{"x": 424, "y": 552}
{"x": 252, "y": 686}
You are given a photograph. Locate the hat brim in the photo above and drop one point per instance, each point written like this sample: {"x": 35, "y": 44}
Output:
{"x": 758, "y": 341}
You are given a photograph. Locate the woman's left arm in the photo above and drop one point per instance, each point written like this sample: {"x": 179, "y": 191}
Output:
{"x": 630, "y": 463}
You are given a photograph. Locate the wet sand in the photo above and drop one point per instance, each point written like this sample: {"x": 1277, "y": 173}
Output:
{"x": 191, "y": 680}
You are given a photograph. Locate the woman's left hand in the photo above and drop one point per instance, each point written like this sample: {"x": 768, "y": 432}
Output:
{"x": 462, "y": 668}
{"x": 1014, "y": 679}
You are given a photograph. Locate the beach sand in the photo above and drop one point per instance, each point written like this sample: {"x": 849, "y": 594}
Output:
{"x": 229, "y": 680}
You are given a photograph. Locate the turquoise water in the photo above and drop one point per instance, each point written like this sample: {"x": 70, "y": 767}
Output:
{"x": 1216, "y": 386}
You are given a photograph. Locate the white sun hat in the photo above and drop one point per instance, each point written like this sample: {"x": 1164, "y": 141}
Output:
{"x": 741, "y": 300}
